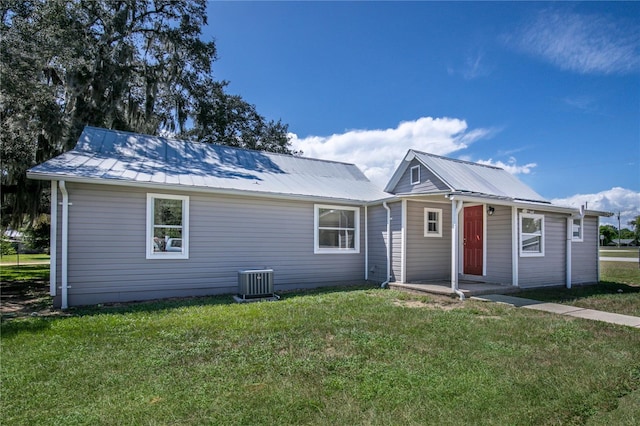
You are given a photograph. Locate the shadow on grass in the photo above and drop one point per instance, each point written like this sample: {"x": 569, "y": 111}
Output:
{"x": 12, "y": 325}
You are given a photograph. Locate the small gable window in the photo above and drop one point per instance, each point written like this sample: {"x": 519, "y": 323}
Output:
{"x": 432, "y": 222}
{"x": 167, "y": 226}
{"x": 415, "y": 175}
{"x": 576, "y": 230}
{"x": 337, "y": 229}
{"x": 531, "y": 235}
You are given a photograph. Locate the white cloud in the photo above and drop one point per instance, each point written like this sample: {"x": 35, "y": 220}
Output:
{"x": 511, "y": 166}
{"x": 613, "y": 200}
{"x": 581, "y": 43}
{"x": 378, "y": 152}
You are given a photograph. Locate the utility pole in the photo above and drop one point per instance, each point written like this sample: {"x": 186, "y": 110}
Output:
{"x": 618, "y": 229}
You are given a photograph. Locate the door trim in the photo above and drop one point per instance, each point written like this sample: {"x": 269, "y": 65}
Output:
{"x": 484, "y": 241}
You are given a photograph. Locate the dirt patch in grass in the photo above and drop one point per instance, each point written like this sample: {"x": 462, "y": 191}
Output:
{"x": 26, "y": 298}
{"x": 446, "y": 304}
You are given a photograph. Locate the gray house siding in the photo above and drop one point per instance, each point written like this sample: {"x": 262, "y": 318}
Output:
{"x": 428, "y": 258}
{"x": 107, "y": 246}
{"x": 584, "y": 255}
{"x": 428, "y": 181}
{"x": 499, "y": 250}
{"x": 396, "y": 241}
{"x": 377, "y": 236}
{"x": 549, "y": 269}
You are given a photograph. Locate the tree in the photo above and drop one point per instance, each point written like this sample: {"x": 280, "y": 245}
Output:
{"x": 635, "y": 225}
{"x": 610, "y": 233}
{"x": 135, "y": 65}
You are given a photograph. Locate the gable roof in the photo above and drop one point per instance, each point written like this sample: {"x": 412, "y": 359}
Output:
{"x": 469, "y": 178}
{"x": 124, "y": 158}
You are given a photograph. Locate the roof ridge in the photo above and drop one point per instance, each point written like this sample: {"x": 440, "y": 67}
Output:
{"x": 457, "y": 160}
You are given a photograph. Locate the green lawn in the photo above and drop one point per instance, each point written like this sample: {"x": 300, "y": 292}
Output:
{"x": 359, "y": 356}
{"x": 630, "y": 252}
{"x": 12, "y": 259}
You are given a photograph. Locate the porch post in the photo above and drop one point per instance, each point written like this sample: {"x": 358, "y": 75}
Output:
{"x": 456, "y": 206}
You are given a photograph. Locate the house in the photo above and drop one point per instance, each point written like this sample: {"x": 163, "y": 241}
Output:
{"x": 138, "y": 217}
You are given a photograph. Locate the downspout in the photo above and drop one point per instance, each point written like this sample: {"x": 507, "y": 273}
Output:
{"x": 386, "y": 283}
{"x": 53, "y": 240}
{"x": 366, "y": 244}
{"x": 456, "y": 207}
{"x": 65, "y": 245}
{"x": 568, "y": 250}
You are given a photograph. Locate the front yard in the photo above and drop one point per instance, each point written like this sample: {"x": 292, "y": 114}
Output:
{"x": 341, "y": 356}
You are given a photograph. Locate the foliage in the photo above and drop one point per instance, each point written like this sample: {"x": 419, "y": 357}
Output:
{"x": 635, "y": 225}
{"x": 333, "y": 357}
{"x": 37, "y": 236}
{"x": 6, "y": 246}
{"x": 610, "y": 233}
{"x": 133, "y": 65}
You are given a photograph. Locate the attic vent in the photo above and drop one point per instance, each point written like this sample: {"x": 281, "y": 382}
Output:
{"x": 254, "y": 283}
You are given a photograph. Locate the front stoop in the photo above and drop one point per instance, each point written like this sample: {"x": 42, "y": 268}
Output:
{"x": 469, "y": 289}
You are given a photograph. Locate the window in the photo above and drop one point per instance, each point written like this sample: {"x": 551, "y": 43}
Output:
{"x": 432, "y": 222}
{"x": 531, "y": 235}
{"x": 415, "y": 175}
{"x": 167, "y": 226}
{"x": 576, "y": 230}
{"x": 337, "y": 229}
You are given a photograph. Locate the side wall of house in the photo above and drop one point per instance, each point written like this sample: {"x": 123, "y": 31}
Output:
{"x": 428, "y": 258}
{"x": 550, "y": 269}
{"x": 499, "y": 250}
{"x": 428, "y": 181}
{"x": 584, "y": 254}
{"x": 396, "y": 240}
{"x": 377, "y": 237}
{"x": 107, "y": 256}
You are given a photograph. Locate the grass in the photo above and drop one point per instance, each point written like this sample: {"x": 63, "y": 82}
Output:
{"x": 357, "y": 356}
{"x": 12, "y": 259}
{"x": 618, "y": 291}
{"x": 630, "y": 252}
{"x": 23, "y": 273}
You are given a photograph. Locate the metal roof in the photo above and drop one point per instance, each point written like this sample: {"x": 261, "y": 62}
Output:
{"x": 473, "y": 178}
{"x": 109, "y": 156}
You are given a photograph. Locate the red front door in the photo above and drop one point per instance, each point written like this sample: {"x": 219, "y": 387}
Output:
{"x": 473, "y": 240}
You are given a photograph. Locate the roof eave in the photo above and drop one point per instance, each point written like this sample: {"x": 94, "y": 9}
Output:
{"x": 200, "y": 189}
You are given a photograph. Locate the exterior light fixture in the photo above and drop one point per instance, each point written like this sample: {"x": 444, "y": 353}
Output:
{"x": 491, "y": 210}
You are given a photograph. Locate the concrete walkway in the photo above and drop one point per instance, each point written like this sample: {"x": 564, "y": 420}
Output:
{"x": 557, "y": 308}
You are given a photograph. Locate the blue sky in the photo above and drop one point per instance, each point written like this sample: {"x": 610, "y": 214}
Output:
{"x": 549, "y": 91}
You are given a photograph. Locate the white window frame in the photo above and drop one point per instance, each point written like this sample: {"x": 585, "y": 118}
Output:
{"x": 413, "y": 182}
{"x": 151, "y": 197}
{"x": 523, "y": 235}
{"x": 316, "y": 230}
{"x": 580, "y": 237}
{"x": 438, "y": 222}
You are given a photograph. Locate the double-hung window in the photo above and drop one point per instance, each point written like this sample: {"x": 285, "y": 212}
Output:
{"x": 531, "y": 235}
{"x": 432, "y": 222}
{"x": 167, "y": 226}
{"x": 337, "y": 229}
{"x": 576, "y": 229}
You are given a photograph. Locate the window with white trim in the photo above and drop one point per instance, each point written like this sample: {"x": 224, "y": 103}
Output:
{"x": 337, "y": 229}
{"x": 415, "y": 175}
{"x": 576, "y": 229}
{"x": 531, "y": 235}
{"x": 167, "y": 226}
{"x": 432, "y": 222}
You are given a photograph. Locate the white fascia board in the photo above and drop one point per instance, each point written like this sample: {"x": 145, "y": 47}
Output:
{"x": 395, "y": 178}
{"x": 515, "y": 203}
{"x": 184, "y": 188}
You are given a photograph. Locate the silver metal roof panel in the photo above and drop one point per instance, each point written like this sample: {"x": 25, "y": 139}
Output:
{"x": 125, "y": 157}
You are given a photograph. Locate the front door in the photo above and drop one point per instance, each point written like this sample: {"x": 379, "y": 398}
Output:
{"x": 473, "y": 245}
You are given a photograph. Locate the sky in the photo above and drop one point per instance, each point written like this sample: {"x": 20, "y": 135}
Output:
{"x": 548, "y": 91}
